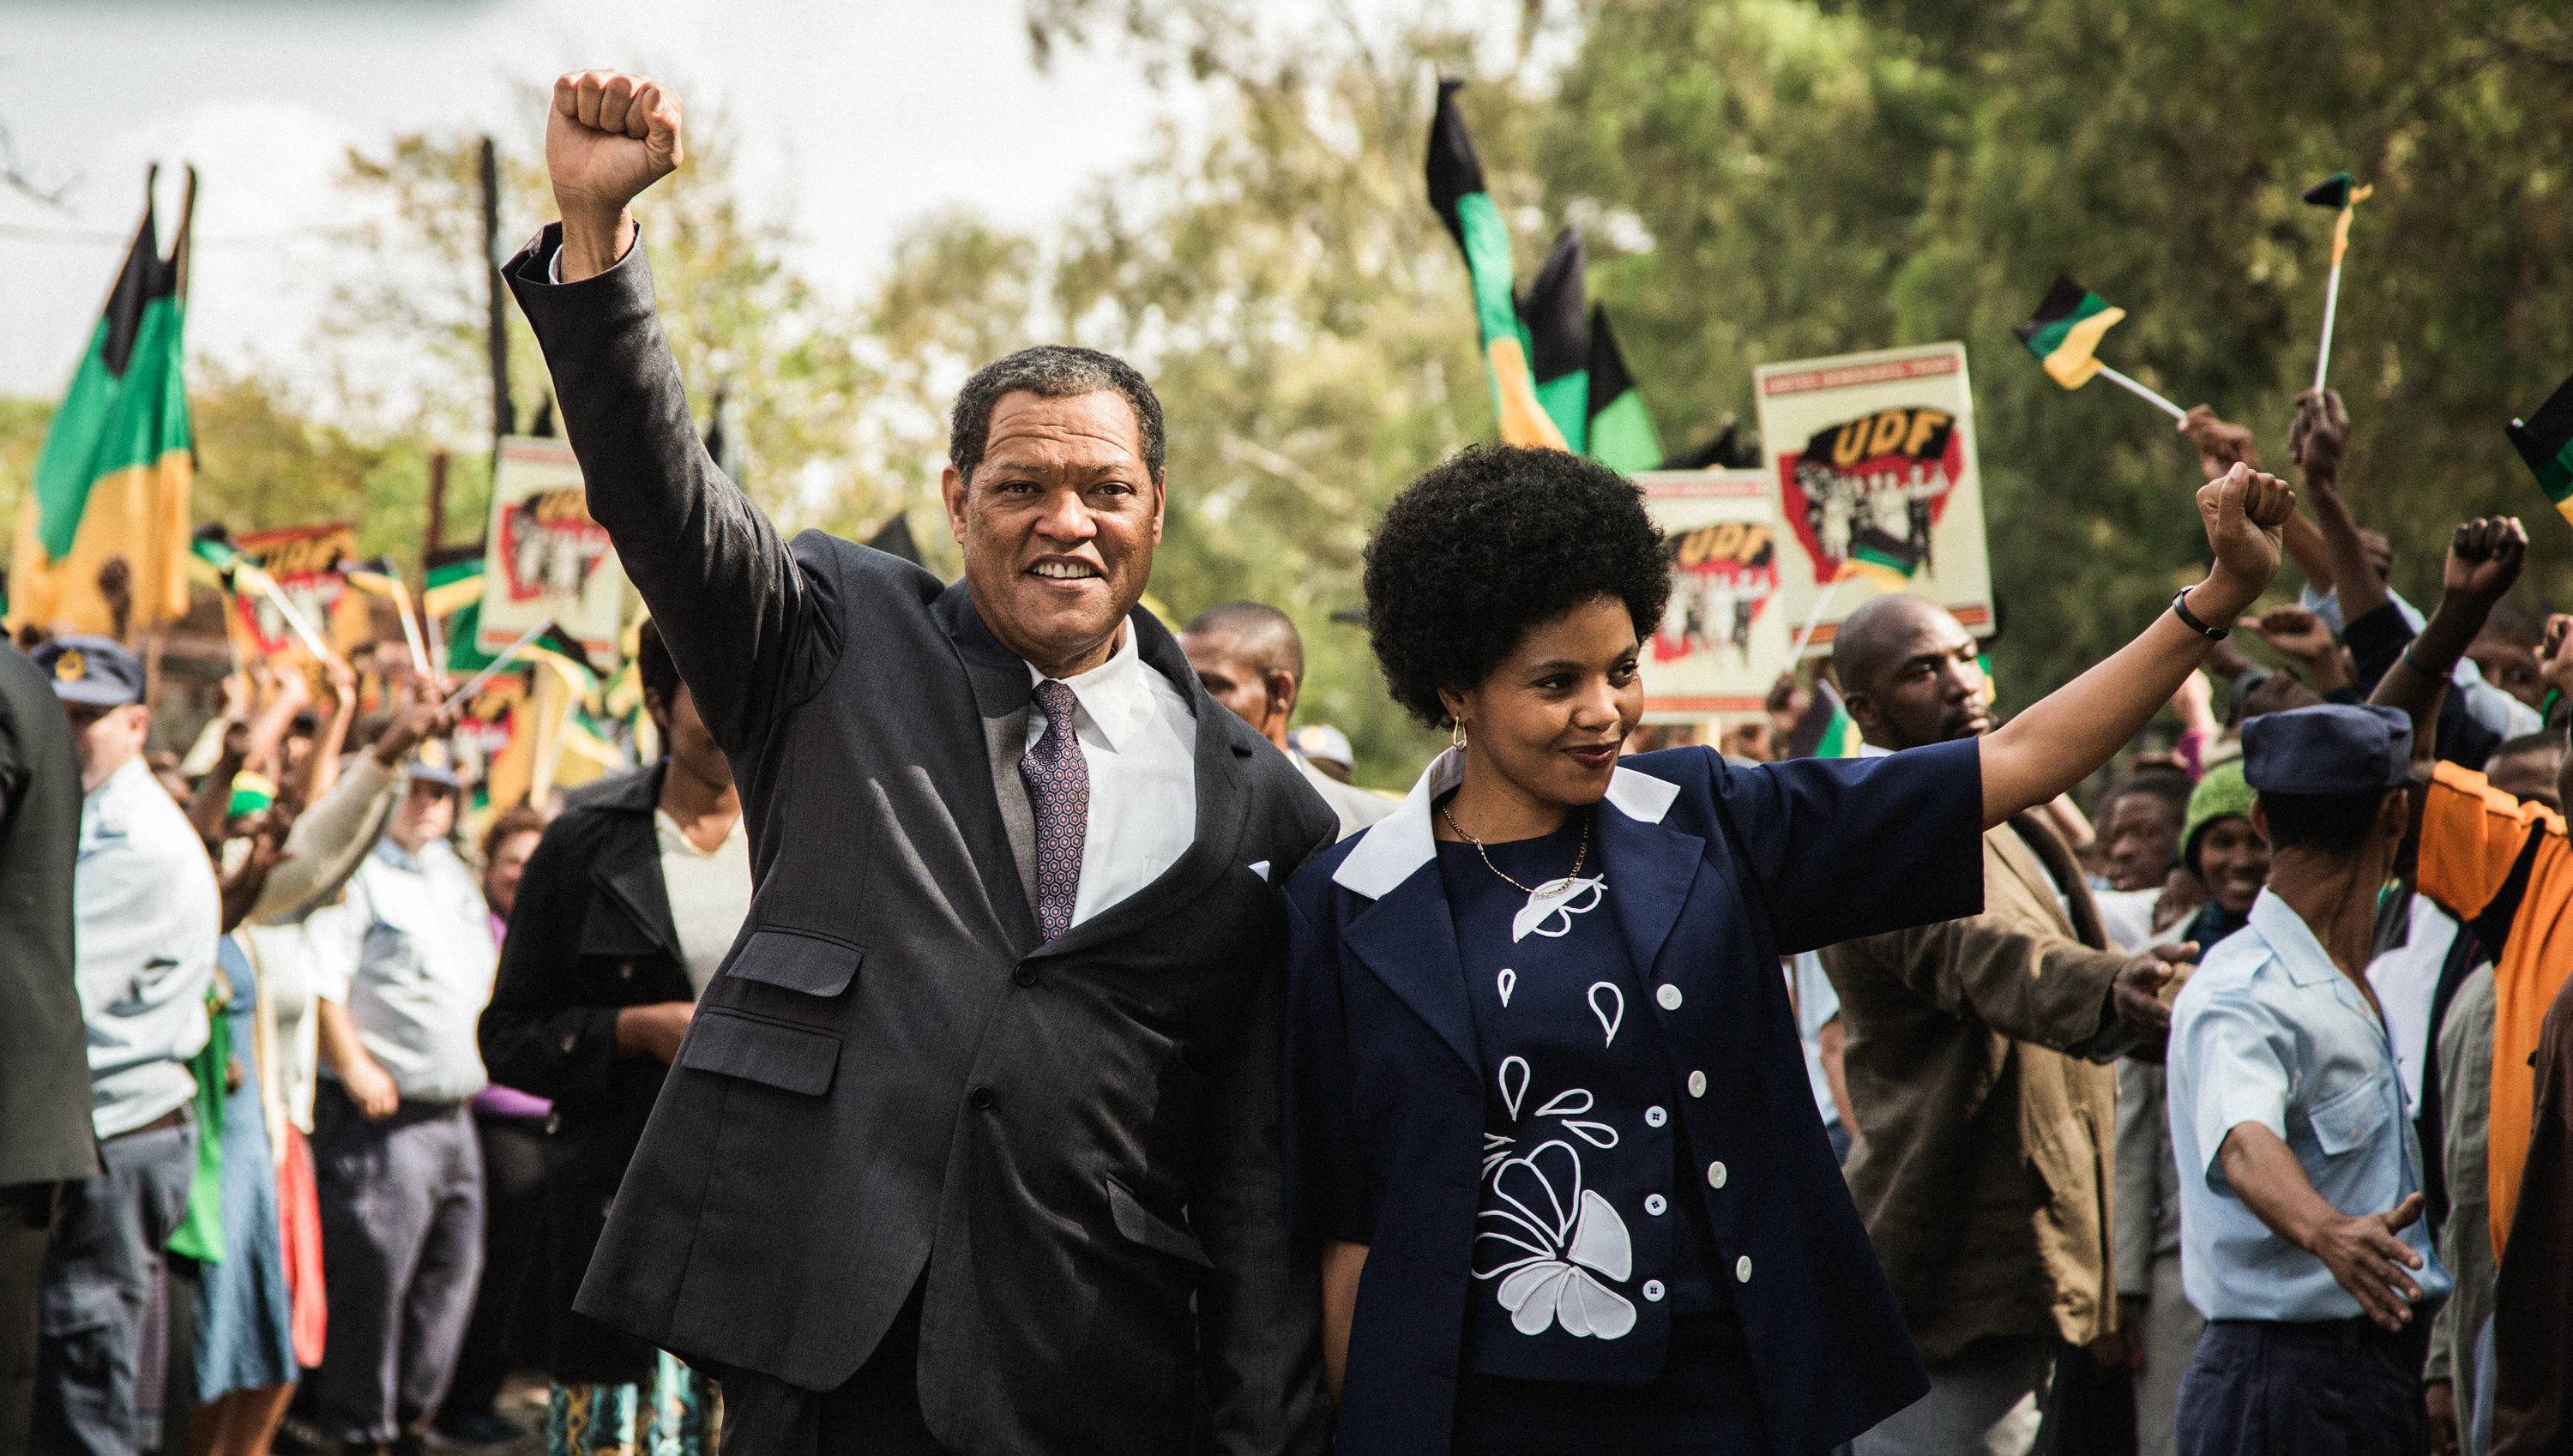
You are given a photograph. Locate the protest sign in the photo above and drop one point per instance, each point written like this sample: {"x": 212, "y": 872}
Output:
{"x": 1872, "y": 456}
{"x": 1722, "y": 640}
{"x": 308, "y": 564}
{"x": 544, "y": 559}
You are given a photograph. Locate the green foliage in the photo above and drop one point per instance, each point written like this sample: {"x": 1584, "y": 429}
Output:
{"x": 1814, "y": 177}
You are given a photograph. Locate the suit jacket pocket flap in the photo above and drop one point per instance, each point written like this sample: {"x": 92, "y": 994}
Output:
{"x": 771, "y": 1054}
{"x": 1150, "y": 1230}
{"x": 798, "y": 961}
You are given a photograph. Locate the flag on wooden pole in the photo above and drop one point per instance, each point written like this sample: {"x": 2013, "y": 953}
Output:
{"x": 110, "y": 494}
{"x": 2545, "y": 440}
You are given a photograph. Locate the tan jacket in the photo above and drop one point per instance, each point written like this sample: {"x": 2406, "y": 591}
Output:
{"x": 1986, "y": 1121}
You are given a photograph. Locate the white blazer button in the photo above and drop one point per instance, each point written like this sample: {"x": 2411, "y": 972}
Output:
{"x": 1668, "y": 996}
{"x": 1655, "y": 1117}
{"x": 1716, "y": 1174}
{"x": 1653, "y": 1291}
{"x": 1657, "y": 1204}
{"x": 1697, "y": 1084}
{"x": 1742, "y": 1269}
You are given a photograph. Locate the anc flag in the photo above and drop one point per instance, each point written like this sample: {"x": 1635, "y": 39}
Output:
{"x": 112, "y": 479}
{"x": 1560, "y": 340}
{"x": 2339, "y": 192}
{"x": 451, "y": 594}
{"x": 1457, "y": 191}
{"x": 2545, "y": 440}
{"x": 2067, "y": 331}
{"x": 1619, "y": 433}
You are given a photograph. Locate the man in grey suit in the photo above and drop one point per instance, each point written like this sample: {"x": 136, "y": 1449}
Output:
{"x": 972, "y": 1144}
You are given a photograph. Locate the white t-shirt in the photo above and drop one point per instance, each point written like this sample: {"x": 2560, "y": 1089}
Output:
{"x": 710, "y": 894}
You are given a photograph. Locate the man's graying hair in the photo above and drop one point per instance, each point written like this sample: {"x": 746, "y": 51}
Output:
{"x": 1050, "y": 371}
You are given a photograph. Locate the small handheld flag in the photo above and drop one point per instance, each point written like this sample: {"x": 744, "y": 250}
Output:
{"x": 377, "y": 577}
{"x": 2545, "y": 440}
{"x": 1619, "y": 433}
{"x": 214, "y": 546}
{"x": 2064, "y": 335}
{"x": 2336, "y": 191}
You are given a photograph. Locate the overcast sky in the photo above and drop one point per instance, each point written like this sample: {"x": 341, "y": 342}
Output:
{"x": 856, "y": 116}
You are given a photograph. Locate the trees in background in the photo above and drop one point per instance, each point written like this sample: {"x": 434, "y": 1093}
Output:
{"x": 1759, "y": 180}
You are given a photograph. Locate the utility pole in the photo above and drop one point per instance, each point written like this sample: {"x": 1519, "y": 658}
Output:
{"x": 436, "y": 512}
{"x": 503, "y": 416}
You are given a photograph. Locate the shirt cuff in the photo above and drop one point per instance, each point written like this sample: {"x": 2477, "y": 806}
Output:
{"x": 553, "y": 260}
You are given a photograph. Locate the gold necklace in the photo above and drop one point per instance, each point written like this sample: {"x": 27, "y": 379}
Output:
{"x": 1550, "y": 886}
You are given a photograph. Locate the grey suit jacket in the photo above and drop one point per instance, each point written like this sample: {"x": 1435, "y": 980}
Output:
{"x": 893, "y": 1081}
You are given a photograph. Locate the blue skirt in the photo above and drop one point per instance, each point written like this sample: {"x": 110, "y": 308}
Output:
{"x": 1706, "y": 1403}
{"x": 245, "y": 1334}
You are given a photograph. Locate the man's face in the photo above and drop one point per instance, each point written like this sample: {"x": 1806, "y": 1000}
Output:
{"x": 426, "y": 812}
{"x": 2140, "y": 833}
{"x": 2508, "y": 665}
{"x": 1935, "y": 690}
{"x": 1237, "y": 682}
{"x": 106, "y": 739}
{"x": 1058, "y": 526}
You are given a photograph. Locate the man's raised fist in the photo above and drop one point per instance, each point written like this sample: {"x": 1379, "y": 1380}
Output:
{"x": 608, "y": 136}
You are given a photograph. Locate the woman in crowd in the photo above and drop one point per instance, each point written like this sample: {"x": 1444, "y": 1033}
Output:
{"x": 510, "y": 1126}
{"x": 625, "y": 911}
{"x": 1546, "y": 1111}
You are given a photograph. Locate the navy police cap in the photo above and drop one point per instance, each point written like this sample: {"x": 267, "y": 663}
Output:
{"x": 2334, "y": 748}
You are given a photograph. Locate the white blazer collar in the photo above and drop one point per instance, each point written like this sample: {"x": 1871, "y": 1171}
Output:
{"x": 1393, "y": 846}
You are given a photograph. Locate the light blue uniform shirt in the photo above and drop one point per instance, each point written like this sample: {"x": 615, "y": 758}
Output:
{"x": 148, "y": 915}
{"x": 409, "y": 953}
{"x": 2270, "y": 1032}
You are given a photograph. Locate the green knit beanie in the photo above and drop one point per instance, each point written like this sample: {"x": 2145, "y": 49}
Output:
{"x": 2222, "y": 794}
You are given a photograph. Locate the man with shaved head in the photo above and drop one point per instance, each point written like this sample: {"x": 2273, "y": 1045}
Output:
{"x": 1248, "y": 657}
{"x": 1977, "y": 1056}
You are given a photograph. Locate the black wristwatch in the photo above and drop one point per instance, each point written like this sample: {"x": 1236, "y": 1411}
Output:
{"x": 2189, "y": 619}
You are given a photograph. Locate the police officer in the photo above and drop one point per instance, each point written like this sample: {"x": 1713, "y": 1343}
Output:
{"x": 2300, "y": 1177}
{"x": 146, "y": 913}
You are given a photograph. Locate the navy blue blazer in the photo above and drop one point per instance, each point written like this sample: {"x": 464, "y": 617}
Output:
{"x": 1713, "y": 871}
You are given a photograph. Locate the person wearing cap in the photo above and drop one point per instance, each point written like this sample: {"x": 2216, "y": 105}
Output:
{"x": 1326, "y": 748}
{"x": 405, "y": 964}
{"x": 1248, "y": 657}
{"x": 2300, "y": 1176}
{"x": 2222, "y": 850}
{"x": 147, "y": 915}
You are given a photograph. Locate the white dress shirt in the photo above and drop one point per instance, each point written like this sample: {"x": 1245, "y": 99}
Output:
{"x": 710, "y": 894}
{"x": 1139, "y": 741}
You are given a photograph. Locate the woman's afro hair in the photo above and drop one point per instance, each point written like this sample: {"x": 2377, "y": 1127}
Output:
{"x": 1494, "y": 542}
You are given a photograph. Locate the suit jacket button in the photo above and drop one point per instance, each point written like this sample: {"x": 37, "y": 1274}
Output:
{"x": 624, "y": 970}
{"x": 1025, "y": 976}
{"x": 980, "y": 1099}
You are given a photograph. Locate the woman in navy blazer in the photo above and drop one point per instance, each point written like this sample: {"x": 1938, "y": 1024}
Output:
{"x": 1547, "y": 1119}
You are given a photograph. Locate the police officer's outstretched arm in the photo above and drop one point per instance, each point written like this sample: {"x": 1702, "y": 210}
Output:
{"x": 741, "y": 615}
{"x": 2360, "y": 1249}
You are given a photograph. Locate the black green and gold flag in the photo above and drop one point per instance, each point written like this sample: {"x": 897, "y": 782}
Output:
{"x": 451, "y": 594}
{"x": 2545, "y": 440}
{"x": 1620, "y": 431}
{"x": 102, "y": 545}
{"x": 2066, "y": 331}
{"x": 1457, "y": 191}
{"x": 1558, "y": 333}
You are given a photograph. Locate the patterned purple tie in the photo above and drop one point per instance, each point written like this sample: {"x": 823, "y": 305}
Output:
{"x": 1057, "y": 779}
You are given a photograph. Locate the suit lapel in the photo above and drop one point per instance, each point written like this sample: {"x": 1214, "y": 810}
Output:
{"x": 1409, "y": 939}
{"x": 999, "y": 680}
{"x": 1649, "y": 869}
{"x": 635, "y": 888}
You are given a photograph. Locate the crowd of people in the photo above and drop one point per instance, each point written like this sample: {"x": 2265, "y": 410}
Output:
{"x": 990, "y": 1024}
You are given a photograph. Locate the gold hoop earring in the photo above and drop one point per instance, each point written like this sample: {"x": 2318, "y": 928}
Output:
{"x": 1455, "y": 733}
